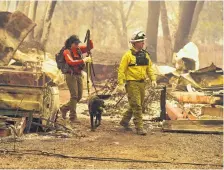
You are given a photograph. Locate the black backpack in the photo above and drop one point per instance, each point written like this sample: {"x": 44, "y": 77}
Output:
{"x": 61, "y": 63}
{"x": 141, "y": 59}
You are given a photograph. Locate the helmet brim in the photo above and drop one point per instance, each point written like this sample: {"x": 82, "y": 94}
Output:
{"x": 131, "y": 41}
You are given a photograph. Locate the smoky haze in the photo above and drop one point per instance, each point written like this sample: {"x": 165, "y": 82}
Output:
{"x": 112, "y": 23}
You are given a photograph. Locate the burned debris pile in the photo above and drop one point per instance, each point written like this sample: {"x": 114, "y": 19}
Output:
{"x": 195, "y": 96}
{"x": 29, "y": 81}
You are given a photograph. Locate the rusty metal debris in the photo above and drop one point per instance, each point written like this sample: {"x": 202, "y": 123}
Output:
{"x": 184, "y": 97}
{"x": 209, "y": 78}
{"x": 28, "y": 88}
{"x": 191, "y": 98}
{"x": 12, "y": 33}
{"x": 10, "y": 125}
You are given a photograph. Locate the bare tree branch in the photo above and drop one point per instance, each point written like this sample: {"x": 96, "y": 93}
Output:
{"x": 129, "y": 10}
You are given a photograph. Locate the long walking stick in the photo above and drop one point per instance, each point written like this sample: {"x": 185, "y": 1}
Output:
{"x": 90, "y": 68}
{"x": 88, "y": 73}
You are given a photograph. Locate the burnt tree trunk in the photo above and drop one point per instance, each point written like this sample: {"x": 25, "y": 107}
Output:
{"x": 194, "y": 23}
{"x": 124, "y": 43}
{"x": 180, "y": 9}
{"x": 152, "y": 28}
{"x": 124, "y": 19}
{"x": 166, "y": 33}
{"x": 17, "y": 3}
{"x": 21, "y": 6}
{"x": 7, "y": 5}
{"x": 26, "y": 8}
{"x": 93, "y": 18}
{"x": 32, "y": 16}
{"x": 39, "y": 29}
{"x": 2, "y": 5}
{"x": 47, "y": 22}
{"x": 184, "y": 25}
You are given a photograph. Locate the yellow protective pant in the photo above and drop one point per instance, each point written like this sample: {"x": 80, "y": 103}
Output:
{"x": 136, "y": 94}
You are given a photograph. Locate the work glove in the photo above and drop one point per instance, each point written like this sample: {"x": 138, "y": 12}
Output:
{"x": 87, "y": 60}
{"x": 121, "y": 88}
{"x": 154, "y": 84}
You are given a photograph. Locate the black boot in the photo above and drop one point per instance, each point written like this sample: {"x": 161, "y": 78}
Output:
{"x": 141, "y": 131}
{"x": 125, "y": 125}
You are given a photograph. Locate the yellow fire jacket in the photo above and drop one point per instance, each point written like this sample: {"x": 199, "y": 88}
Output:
{"x": 126, "y": 72}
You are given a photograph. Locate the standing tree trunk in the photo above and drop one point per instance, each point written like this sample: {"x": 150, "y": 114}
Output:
{"x": 2, "y": 5}
{"x": 93, "y": 15}
{"x": 166, "y": 33}
{"x": 12, "y": 6}
{"x": 152, "y": 28}
{"x": 17, "y": 3}
{"x": 21, "y": 6}
{"x": 124, "y": 43}
{"x": 39, "y": 29}
{"x": 181, "y": 4}
{"x": 7, "y": 5}
{"x": 47, "y": 22}
{"x": 32, "y": 16}
{"x": 26, "y": 8}
{"x": 184, "y": 24}
{"x": 194, "y": 23}
{"x": 124, "y": 19}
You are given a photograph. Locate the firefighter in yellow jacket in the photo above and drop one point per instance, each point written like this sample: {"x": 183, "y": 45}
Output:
{"x": 135, "y": 67}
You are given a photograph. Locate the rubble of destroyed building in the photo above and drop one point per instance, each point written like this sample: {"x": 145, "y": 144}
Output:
{"x": 190, "y": 95}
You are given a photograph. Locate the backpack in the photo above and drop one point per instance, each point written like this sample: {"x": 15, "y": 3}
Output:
{"x": 61, "y": 63}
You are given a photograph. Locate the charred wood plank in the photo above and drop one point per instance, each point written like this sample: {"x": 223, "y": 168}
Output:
{"x": 212, "y": 111}
{"x": 197, "y": 98}
{"x": 193, "y": 126}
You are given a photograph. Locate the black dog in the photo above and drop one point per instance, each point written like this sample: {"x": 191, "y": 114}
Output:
{"x": 95, "y": 106}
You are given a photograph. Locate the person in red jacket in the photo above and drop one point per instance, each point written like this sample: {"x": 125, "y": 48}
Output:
{"x": 73, "y": 57}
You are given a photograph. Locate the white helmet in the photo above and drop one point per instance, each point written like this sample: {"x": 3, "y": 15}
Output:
{"x": 138, "y": 36}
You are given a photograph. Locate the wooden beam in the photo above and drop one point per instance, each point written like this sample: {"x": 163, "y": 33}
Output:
{"x": 193, "y": 126}
{"x": 212, "y": 111}
{"x": 197, "y": 98}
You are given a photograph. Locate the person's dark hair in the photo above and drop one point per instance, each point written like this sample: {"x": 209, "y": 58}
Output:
{"x": 70, "y": 40}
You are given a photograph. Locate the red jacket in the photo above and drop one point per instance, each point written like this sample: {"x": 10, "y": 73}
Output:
{"x": 78, "y": 61}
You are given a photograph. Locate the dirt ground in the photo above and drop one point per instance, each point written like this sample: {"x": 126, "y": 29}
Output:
{"x": 111, "y": 141}
{"x": 158, "y": 149}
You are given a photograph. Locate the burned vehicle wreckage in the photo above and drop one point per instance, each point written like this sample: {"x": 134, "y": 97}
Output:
{"x": 28, "y": 81}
